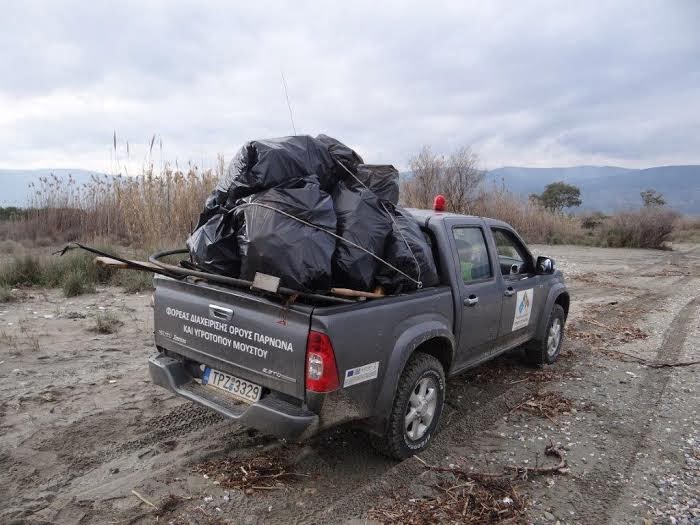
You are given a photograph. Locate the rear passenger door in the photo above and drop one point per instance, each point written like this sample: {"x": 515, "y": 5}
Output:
{"x": 522, "y": 289}
{"x": 480, "y": 291}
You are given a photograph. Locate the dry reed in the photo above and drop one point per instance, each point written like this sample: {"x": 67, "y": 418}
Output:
{"x": 146, "y": 210}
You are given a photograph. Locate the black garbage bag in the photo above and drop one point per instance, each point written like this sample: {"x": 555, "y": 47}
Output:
{"x": 214, "y": 205}
{"x": 342, "y": 154}
{"x": 362, "y": 221}
{"x": 275, "y": 244}
{"x": 382, "y": 179}
{"x": 213, "y": 245}
{"x": 263, "y": 164}
{"x": 408, "y": 250}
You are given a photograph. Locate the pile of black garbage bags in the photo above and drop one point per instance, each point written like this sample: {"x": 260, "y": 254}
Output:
{"x": 279, "y": 199}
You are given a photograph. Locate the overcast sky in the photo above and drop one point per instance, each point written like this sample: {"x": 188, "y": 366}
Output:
{"x": 524, "y": 83}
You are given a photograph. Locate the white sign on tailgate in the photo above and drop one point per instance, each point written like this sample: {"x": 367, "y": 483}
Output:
{"x": 523, "y": 309}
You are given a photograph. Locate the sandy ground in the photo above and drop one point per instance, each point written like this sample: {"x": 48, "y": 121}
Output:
{"x": 81, "y": 427}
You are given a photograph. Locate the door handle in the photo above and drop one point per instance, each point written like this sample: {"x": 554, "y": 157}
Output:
{"x": 509, "y": 291}
{"x": 220, "y": 312}
{"x": 471, "y": 300}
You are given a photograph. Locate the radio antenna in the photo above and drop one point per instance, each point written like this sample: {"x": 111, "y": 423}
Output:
{"x": 286, "y": 95}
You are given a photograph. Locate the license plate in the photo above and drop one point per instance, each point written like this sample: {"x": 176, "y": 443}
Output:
{"x": 240, "y": 388}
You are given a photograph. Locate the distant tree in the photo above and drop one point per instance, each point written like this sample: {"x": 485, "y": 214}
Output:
{"x": 652, "y": 198}
{"x": 11, "y": 212}
{"x": 456, "y": 176}
{"x": 557, "y": 196}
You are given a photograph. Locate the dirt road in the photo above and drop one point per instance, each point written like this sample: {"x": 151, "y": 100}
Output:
{"x": 82, "y": 427}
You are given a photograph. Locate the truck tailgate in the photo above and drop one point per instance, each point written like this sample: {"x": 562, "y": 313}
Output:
{"x": 234, "y": 331}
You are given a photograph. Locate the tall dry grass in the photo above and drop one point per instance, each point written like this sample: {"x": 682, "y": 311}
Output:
{"x": 146, "y": 210}
{"x": 686, "y": 229}
{"x": 648, "y": 227}
{"x": 532, "y": 221}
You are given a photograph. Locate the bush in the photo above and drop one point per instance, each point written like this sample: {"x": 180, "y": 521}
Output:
{"x": 686, "y": 229}
{"x": 6, "y": 294}
{"x": 106, "y": 323}
{"x": 75, "y": 283}
{"x": 134, "y": 281}
{"x": 645, "y": 228}
{"x": 21, "y": 271}
{"x": 9, "y": 246}
{"x": 592, "y": 221}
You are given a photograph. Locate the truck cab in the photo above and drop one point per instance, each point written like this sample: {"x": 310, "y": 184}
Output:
{"x": 291, "y": 368}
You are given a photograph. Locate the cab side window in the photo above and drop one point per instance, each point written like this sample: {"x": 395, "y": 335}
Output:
{"x": 473, "y": 255}
{"x": 513, "y": 259}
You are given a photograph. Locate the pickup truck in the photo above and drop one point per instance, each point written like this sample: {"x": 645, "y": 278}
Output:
{"x": 291, "y": 369}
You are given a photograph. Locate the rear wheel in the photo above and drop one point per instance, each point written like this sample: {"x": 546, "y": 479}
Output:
{"x": 416, "y": 410}
{"x": 548, "y": 349}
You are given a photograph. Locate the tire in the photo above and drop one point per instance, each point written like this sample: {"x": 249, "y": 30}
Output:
{"x": 547, "y": 351}
{"x": 422, "y": 375}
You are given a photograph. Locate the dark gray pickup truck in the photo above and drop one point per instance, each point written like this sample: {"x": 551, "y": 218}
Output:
{"x": 292, "y": 369}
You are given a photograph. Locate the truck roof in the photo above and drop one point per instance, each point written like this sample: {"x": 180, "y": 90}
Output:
{"x": 424, "y": 216}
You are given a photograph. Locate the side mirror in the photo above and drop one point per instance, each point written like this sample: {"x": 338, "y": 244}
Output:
{"x": 545, "y": 265}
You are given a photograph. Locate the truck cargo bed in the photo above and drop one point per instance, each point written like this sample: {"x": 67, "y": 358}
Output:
{"x": 235, "y": 332}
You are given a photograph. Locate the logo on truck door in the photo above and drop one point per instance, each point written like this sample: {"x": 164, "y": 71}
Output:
{"x": 523, "y": 308}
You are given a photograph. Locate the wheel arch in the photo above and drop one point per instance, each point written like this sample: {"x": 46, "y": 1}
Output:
{"x": 431, "y": 338}
{"x": 563, "y": 300}
{"x": 558, "y": 294}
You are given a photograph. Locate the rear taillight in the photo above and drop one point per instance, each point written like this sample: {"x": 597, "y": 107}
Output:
{"x": 321, "y": 371}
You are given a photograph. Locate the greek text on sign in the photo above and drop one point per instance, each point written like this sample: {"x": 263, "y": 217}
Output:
{"x": 226, "y": 334}
{"x": 361, "y": 374}
{"x": 523, "y": 309}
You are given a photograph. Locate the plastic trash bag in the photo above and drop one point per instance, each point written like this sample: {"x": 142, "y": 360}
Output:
{"x": 263, "y": 164}
{"x": 213, "y": 245}
{"x": 416, "y": 259}
{"x": 275, "y": 244}
{"x": 214, "y": 205}
{"x": 342, "y": 154}
{"x": 362, "y": 221}
{"x": 382, "y": 179}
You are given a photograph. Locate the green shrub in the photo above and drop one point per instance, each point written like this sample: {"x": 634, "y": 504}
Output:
{"x": 106, "y": 323}
{"x": 133, "y": 281}
{"x": 21, "y": 271}
{"x": 55, "y": 271}
{"x": 75, "y": 283}
{"x": 6, "y": 294}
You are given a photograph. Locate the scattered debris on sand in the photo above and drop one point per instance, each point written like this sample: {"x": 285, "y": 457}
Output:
{"x": 265, "y": 472}
{"x": 549, "y": 404}
{"x": 466, "y": 496}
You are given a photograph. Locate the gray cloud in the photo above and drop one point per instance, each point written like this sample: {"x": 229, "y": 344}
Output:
{"x": 536, "y": 83}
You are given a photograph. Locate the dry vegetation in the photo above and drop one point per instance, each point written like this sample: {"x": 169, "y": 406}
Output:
{"x": 686, "y": 229}
{"x": 260, "y": 473}
{"x": 75, "y": 272}
{"x": 146, "y": 210}
{"x": 458, "y": 177}
{"x": 156, "y": 210}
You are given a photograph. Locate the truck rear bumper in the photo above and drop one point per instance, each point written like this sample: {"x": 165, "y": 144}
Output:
{"x": 270, "y": 415}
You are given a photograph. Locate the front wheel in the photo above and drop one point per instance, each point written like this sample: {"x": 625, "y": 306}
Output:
{"x": 417, "y": 407}
{"x": 547, "y": 350}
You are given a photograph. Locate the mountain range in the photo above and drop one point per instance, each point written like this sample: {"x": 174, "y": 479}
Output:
{"x": 609, "y": 188}
{"x": 604, "y": 188}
